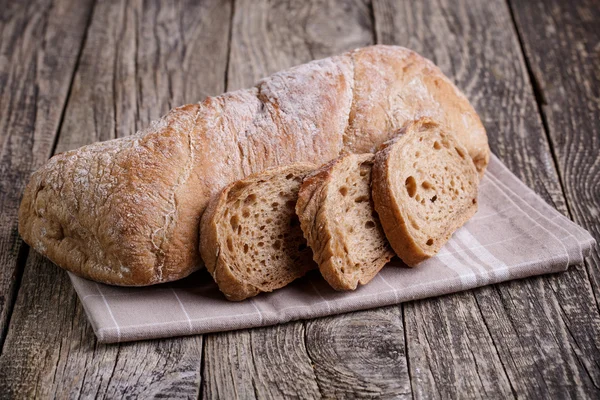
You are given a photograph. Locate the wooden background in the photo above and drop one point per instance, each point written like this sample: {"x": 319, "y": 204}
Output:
{"x": 78, "y": 71}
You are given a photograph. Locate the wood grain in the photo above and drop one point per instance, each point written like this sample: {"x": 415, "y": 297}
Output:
{"x": 536, "y": 338}
{"x": 564, "y": 58}
{"x": 265, "y": 363}
{"x": 566, "y": 76}
{"x": 51, "y": 351}
{"x": 267, "y": 37}
{"x": 360, "y": 354}
{"x": 138, "y": 61}
{"x": 34, "y": 81}
{"x": 540, "y": 336}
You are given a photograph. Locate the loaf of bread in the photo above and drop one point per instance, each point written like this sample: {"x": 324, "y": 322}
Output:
{"x": 424, "y": 188}
{"x": 340, "y": 224}
{"x": 127, "y": 211}
{"x": 250, "y": 236}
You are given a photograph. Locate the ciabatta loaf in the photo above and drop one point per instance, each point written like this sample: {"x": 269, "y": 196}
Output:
{"x": 127, "y": 211}
{"x": 424, "y": 189}
{"x": 338, "y": 220}
{"x": 250, "y": 236}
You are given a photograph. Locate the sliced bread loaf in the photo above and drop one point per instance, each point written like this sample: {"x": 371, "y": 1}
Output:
{"x": 338, "y": 220}
{"x": 250, "y": 237}
{"x": 424, "y": 189}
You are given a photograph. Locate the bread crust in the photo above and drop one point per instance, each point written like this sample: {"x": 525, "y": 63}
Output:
{"x": 395, "y": 214}
{"x": 127, "y": 211}
{"x": 324, "y": 233}
{"x": 212, "y": 242}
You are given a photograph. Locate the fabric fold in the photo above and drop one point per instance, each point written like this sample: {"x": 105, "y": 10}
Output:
{"x": 514, "y": 234}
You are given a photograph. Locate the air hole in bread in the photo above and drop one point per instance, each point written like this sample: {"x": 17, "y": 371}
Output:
{"x": 289, "y": 176}
{"x": 430, "y": 242}
{"x": 246, "y": 248}
{"x": 250, "y": 199}
{"x": 417, "y": 154}
{"x": 437, "y": 145}
{"x": 434, "y": 198}
{"x": 414, "y": 224}
{"x": 460, "y": 152}
{"x": 418, "y": 197}
{"x": 277, "y": 245}
{"x": 245, "y": 213}
{"x": 343, "y": 190}
{"x": 260, "y": 244}
{"x": 230, "y": 244}
{"x": 474, "y": 201}
{"x": 361, "y": 199}
{"x": 369, "y": 224}
{"x": 235, "y": 222}
{"x": 411, "y": 186}
{"x": 426, "y": 185}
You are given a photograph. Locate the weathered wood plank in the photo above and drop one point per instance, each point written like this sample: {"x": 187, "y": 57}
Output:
{"x": 564, "y": 58}
{"x": 267, "y": 37}
{"x": 360, "y": 355}
{"x": 139, "y": 59}
{"x": 34, "y": 81}
{"x": 536, "y": 338}
{"x": 266, "y": 363}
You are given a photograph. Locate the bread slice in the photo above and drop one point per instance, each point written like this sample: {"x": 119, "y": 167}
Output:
{"x": 424, "y": 189}
{"x": 250, "y": 237}
{"x": 338, "y": 220}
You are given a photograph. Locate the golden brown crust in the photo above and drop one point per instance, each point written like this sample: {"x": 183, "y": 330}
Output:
{"x": 399, "y": 213}
{"x": 218, "y": 260}
{"x": 127, "y": 211}
{"x": 392, "y": 86}
{"x": 334, "y": 228}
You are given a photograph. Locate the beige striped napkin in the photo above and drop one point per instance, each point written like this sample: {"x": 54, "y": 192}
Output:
{"x": 514, "y": 234}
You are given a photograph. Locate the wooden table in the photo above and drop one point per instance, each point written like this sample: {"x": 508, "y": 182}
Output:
{"x": 77, "y": 71}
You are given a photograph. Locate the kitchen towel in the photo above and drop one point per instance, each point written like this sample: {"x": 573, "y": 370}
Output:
{"x": 514, "y": 234}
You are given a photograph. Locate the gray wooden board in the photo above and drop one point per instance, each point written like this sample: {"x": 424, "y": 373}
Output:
{"x": 268, "y": 36}
{"x": 564, "y": 59}
{"x": 536, "y": 338}
{"x": 532, "y": 338}
{"x": 137, "y": 62}
{"x": 34, "y": 82}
